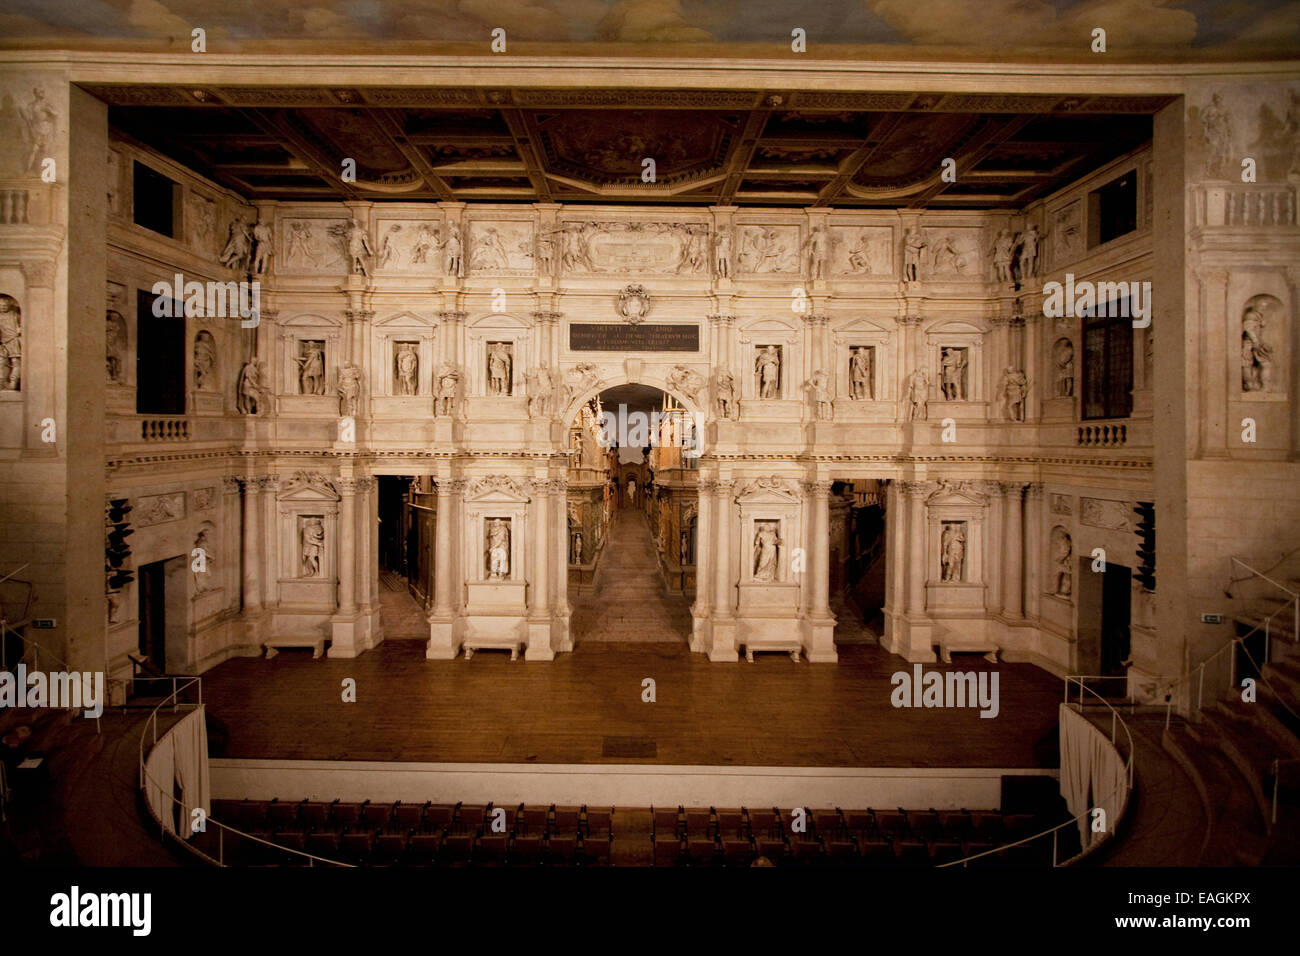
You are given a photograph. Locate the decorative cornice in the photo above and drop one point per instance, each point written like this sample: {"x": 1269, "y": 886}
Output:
{"x": 915, "y": 489}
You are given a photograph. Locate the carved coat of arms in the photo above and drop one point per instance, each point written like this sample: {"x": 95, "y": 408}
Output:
{"x": 634, "y": 304}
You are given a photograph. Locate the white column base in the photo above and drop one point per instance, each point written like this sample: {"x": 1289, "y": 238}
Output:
{"x": 911, "y": 641}
{"x": 819, "y": 640}
{"x": 539, "y": 642}
{"x": 722, "y": 648}
{"x": 700, "y": 634}
{"x": 347, "y": 637}
{"x": 444, "y": 644}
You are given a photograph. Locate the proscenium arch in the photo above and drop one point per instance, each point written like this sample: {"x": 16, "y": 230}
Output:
{"x": 571, "y": 410}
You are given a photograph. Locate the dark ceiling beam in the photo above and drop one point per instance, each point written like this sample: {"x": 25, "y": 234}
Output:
{"x": 975, "y": 151}
{"x": 742, "y": 154}
{"x": 523, "y": 128}
{"x": 860, "y": 157}
{"x": 328, "y": 168}
{"x": 391, "y": 129}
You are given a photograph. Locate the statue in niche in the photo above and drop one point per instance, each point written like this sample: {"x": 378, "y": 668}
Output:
{"x": 448, "y": 382}
{"x": 816, "y": 247}
{"x": 248, "y": 395}
{"x": 42, "y": 124}
{"x": 1029, "y": 253}
{"x": 860, "y": 255}
{"x": 631, "y": 492}
{"x": 499, "y": 368}
{"x": 952, "y": 374}
{"x": 575, "y": 546}
{"x": 1014, "y": 388}
{"x": 1216, "y": 123}
{"x": 767, "y": 543}
{"x": 540, "y": 391}
{"x": 311, "y": 368}
{"x": 203, "y": 579}
{"x": 261, "y": 247}
{"x": 767, "y": 371}
{"x": 498, "y": 549}
{"x": 453, "y": 250}
{"x": 1063, "y": 357}
{"x": 952, "y": 551}
{"x": 115, "y": 347}
{"x": 312, "y": 540}
{"x": 1256, "y": 354}
{"x": 205, "y": 360}
{"x": 359, "y": 250}
{"x": 407, "y": 364}
{"x": 860, "y": 384}
{"x": 1062, "y": 549}
{"x": 11, "y": 344}
{"x": 349, "y": 390}
{"x": 722, "y": 253}
{"x": 1003, "y": 252}
{"x": 913, "y": 244}
{"x": 917, "y": 396}
{"x": 238, "y": 246}
{"x": 724, "y": 399}
{"x": 820, "y": 386}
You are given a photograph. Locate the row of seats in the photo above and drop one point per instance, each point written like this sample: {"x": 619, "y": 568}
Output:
{"x": 849, "y": 851}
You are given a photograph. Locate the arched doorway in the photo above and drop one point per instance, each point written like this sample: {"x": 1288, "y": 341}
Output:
{"x": 631, "y": 498}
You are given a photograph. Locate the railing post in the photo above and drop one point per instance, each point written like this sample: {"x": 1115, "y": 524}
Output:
{"x": 221, "y": 845}
{"x": 1112, "y": 726}
{"x": 1277, "y": 770}
{"x": 173, "y": 695}
{"x": 1168, "y": 707}
{"x": 1054, "y": 832}
{"x": 1200, "y": 689}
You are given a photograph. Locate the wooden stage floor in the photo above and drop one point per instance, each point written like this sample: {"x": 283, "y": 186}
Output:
{"x": 586, "y": 708}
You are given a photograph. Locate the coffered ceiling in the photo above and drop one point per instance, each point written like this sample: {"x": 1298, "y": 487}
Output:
{"x": 709, "y": 147}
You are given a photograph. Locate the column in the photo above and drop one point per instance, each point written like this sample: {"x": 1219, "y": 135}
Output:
{"x": 539, "y": 617}
{"x": 252, "y": 551}
{"x": 442, "y": 566}
{"x": 917, "y": 540}
{"x": 347, "y": 546}
{"x": 1293, "y": 386}
{"x": 444, "y": 643}
{"x": 722, "y": 573}
{"x": 820, "y": 552}
{"x": 1033, "y": 578}
{"x": 701, "y": 611}
{"x": 994, "y": 571}
{"x": 230, "y": 540}
{"x": 1013, "y": 604}
{"x": 269, "y": 542}
{"x": 559, "y": 488}
{"x": 1032, "y": 351}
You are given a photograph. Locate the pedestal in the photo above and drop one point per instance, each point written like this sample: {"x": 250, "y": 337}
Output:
{"x": 443, "y": 643}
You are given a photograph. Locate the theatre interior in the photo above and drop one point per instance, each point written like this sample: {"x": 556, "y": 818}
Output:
{"x": 448, "y": 460}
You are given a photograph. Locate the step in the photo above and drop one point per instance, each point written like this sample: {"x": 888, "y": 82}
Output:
{"x": 1284, "y": 683}
{"x": 1234, "y": 828}
{"x": 1252, "y": 758}
{"x": 1262, "y": 720}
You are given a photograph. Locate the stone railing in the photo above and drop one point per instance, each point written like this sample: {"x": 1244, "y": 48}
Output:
{"x": 1102, "y": 435}
{"x": 165, "y": 429}
{"x": 13, "y": 206}
{"x": 1245, "y": 204}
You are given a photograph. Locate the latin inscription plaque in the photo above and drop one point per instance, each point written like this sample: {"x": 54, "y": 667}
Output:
{"x": 621, "y": 337}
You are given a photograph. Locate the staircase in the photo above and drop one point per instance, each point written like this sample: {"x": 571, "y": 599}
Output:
{"x": 629, "y": 601}
{"x": 1245, "y": 756}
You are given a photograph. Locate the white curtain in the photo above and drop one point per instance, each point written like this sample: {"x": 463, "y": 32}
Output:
{"x": 1092, "y": 773}
{"x": 160, "y": 771}
{"x": 191, "y": 761}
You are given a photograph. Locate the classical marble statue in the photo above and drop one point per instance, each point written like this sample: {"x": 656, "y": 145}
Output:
{"x": 248, "y": 395}
{"x": 205, "y": 360}
{"x": 860, "y": 384}
{"x": 388, "y": 247}
{"x": 300, "y": 243}
{"x": 944, "y": 256}
{"x": 1216, "y": 123}
{"x": 408, "y": 369}
{"x": 913, "y": 243}
{"x": 1256, "y": 354}
{"x": 238, "y": 246}
{"x": 349, "y": 390}
{"x": 498, "y": 548}
{"x": 724, "y": 395}
{"x": 722, "y": 253}
{"x": 766, "y": 551}
{"x": 1029, "y": 253}
{"x": 767, "y": 372}
{"x": 42, "y": 124}
{"x": 490, "y": 252}
{"x": 686, "y": 381}
{"x": 313, "y": 545}
{"x": 820, "y": 386}
{"x": 917, "y": 396}
{"x": 1062, "y": 549}
{"x": 692, "y": 257}
{"x": 1063, "y": 357}
{"x": 575, "y": 548}
{"x": 204, "y": 580}
{"x": 545, "y": 252}
{"x": 1003, "y": 252}
{"x": 952, "y": 374}
{"x": 499, "y": 366}
{"x": 261, "y": 247}
{"x": 115, "y": 347}
{"x": 952, "y": 551}
{"x": 860, "y": 255}
{"x": 311, "y": 369}
{"x": 540, "y": 392}
{"x": 11, "y": 344}
{"x": 453, "y": 250}
{"x": 448, "y": 382}
{"x": 816, "y": 248}
{"x": 359, "y": 250}
{"x": 1014, "y": 388}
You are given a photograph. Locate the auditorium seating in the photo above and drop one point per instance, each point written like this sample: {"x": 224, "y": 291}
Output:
{"x": 379, "y": 834}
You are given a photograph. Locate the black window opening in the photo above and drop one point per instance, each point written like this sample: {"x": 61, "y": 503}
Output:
{"x": 1112, "y": 209}
{"x": 159, "y": 357}
{"x": 156, "y": 201}
{"x": 1108, "y": 361}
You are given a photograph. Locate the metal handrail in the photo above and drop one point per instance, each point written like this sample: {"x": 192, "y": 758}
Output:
{"x": 222, "y": 829}
{"x": 1115, "y": 719}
